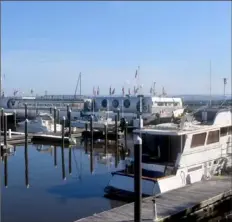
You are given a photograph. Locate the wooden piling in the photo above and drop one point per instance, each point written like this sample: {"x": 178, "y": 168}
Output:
{"x": 70, "y": 160}
{"x": 15, "y": 119}
{"x": 6, "y": 171}
{"x": 137, "y": 179}
{"x": 5, "y": 129}
{"x": 116, "y": 141}
{"x": 106, "y": 139}
{"x": 26, "y": 111}
{"x": 62, "y": 150}
{"x": 55, "y": 156}
{"x": 26, "y": 153}
{"x": 55, "y": 120}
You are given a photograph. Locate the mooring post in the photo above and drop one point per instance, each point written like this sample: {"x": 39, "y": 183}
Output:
{"x": 55, "y": 120}
{"x": 6, "y": 171}
{"x": 55, "y": 156}
{"x": 2, "y": 118}
{"x": 155, "y": 218}
{"x": 5, "y": 129}
{"x": 15, "y": 119}
{"x": 137, "y": 178}
{"x": 26, "y": 113}
{"x": 62, "y": 149}
{"x": 91, "y": 148}
{"x": 91, "y": 130}
{"x": 125, "y": 135}
{"x": 70, "y": 160}
{"x": 67, "y": 114}
{"x": 86, "y": 138}
{"x": 50, "y": 110}
{"x": 106, "y": 138}
{"x": 116, "y": 140}
{"x": 26, "y": 153}
{"x": 58, "y": 116}
{"x": 69, "y": 123}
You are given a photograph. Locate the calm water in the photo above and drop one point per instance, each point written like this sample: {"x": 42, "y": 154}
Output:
{"x": 49, "y": 197}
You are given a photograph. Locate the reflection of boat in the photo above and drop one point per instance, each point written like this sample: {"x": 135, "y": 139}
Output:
{"x": 174, "y": 155}
{"x": 43, "y": 122}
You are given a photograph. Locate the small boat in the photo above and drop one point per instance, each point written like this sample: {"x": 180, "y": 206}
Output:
{"x": 177, "y": 154}
{"x": 99, "y": 122}
{"x": 43, "y": 122}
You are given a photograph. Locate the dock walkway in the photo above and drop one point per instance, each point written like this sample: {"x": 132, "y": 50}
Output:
{"x": 175, "y": 203}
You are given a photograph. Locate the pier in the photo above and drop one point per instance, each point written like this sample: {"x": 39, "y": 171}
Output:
{"x": 189, "y": 203}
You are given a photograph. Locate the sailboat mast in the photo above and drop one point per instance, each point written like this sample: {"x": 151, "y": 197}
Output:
{"x": 210, "y": 87}
{"x": 80, "y": 83}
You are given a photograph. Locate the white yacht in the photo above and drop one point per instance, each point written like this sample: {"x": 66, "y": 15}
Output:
{"x": 176, "y": 154}
{"x": 43, "y": 122}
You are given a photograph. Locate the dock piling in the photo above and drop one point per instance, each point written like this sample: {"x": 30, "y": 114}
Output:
{"x": 26, "y": 153}
{"x": 26, "y": 113}
{"x": 15, "y": 119}
{"x": 69, "y": 123}
{"x": 155, "y": 218}
{"x": 91, "y": 148}
{"x": 6, "y": 171}
{"x": 137, "y": 178}
{"x": 5, "y": 129}
{"x": 50, "y": 110}
{"x": 125, "y": 135}
{"x": 55, "y": 120}
{"x": 70, "y": 160}
{"x": 106, "y": 142}
{"x": 2, "y": 119}
{"x": 116, "y": 140}
{"x": 58, "y": 116}
{"x": 62, "y": 149}
{"x": 55, "y": 156}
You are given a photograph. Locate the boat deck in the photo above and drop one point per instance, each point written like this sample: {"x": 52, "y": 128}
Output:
{"x": 177, "y": 202}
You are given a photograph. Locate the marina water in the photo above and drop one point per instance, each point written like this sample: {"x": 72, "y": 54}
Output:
{"x": 49, "y": 197}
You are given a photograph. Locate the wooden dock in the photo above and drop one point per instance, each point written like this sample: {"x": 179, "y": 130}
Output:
{"x": 173, "y": 205}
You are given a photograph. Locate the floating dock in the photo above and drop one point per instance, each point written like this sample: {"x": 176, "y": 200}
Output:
{"x": 188, "y": 203}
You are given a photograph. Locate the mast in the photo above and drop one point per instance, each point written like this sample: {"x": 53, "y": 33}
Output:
{"x": 80, "y": 83}
{"x": 224, "y": 90}
{"x": 210, "y": 88}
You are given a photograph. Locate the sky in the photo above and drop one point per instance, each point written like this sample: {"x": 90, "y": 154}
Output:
{"x": 45, "y": 45}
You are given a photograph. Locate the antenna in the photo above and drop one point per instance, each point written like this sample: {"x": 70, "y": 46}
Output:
{"x": 210, "y": 87}
{"x": 224, "y": 90}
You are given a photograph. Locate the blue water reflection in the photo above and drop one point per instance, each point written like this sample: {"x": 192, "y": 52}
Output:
{"x": 49, "y": 197}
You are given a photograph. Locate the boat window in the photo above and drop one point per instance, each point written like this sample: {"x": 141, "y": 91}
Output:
{"x": 161, "y": 148}
{"x": 115, "y": 103}
{"x": 126, "y": 103}
{"x": 223, "y": 131}
{"x": 198, "y": 140}
{"x": 160, "y": 104}
{"x": 230, "y": 130}
{"x": 213, "y": 137}
{"x": 46, "y": 117}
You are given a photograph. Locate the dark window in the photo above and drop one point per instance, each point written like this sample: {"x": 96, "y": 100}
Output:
{"x": 115, "y": 103}
{"x": 223, "y": 131}
{"x": 104, "y": 103}
{"x": 198, "y": 140}
{"x": 126, "y": 103}
{"x": 230, "y": 130}
{"x": 213, "y": 137}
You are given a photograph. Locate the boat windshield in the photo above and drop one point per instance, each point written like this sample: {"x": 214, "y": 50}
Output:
{"x": 46, "y": 117}
{"x": 161, "y": 148}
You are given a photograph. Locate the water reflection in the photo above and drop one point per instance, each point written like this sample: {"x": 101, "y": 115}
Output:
{"x": 44, "y": 167}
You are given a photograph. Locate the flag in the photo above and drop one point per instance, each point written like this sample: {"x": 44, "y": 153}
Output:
{"x": 110, "y": 91}
{"x": 32, "y": 91}
{"x": 129, "y": 91}
{"x": 136, "y": 73}
{"x": 151, "y": 90}
{"x": 98, "y": 90}
{"x": 113, "y": 91}
{"x": 123, "y": 91}
{"x": 94, "y": 91}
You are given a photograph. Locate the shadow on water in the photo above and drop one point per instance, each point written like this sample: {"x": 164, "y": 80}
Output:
{"x": 43, "y": 167}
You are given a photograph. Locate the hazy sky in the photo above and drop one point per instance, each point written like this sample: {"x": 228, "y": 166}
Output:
{"x": 45, "y": 45}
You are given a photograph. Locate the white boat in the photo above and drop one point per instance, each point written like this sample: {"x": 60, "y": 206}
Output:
{"x": 43, "y": 122}
{"x": 174, "y": 155}
{"x": 99, "y": 122}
